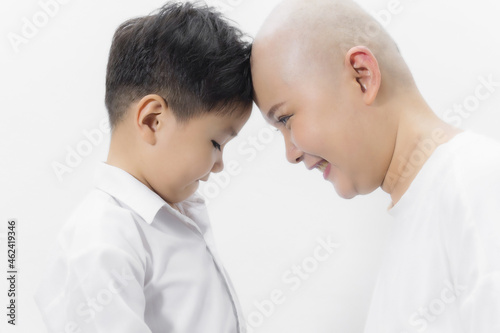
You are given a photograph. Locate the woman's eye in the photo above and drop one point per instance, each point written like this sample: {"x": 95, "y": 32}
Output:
{"x": 284, "y": 119}
{"x": 216, "y": 145}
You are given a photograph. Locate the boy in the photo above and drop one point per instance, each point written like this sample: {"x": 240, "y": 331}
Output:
{"x": 332, "y": 80}
{"x": 138, "y": 254}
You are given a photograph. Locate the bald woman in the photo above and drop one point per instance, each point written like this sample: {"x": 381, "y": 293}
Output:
{"x": 333, "y": 81}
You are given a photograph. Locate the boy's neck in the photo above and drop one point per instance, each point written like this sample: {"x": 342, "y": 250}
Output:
{"x": 119, "y": 156}
{"x": 121, "y": 150}
{"x": 419, "y": 133}
{"x": 123, "y": 154}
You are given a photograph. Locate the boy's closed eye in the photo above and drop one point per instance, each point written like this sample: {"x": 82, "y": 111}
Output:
{"x": 228, "y": 134}
{"x": 216, "y": 145}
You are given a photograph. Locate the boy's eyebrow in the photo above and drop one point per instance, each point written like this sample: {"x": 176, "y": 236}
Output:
{"x": 272, "y": 111}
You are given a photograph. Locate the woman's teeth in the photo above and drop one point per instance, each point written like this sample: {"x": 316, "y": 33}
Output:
{"x": 322, "y": 166}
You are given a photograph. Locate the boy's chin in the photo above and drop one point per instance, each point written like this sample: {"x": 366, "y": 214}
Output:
{"x": 182, "y": 194}
{"x": 189, "y": 190}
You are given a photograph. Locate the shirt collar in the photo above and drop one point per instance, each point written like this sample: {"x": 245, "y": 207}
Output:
{"x": 129, "y": 190}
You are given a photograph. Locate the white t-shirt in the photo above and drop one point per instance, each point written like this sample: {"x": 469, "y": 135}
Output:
{"x": 128, "y": 262}
{"x": 441, "y": 271}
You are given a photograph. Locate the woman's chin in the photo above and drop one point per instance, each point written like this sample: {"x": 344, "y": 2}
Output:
{"x": 343, "y": 189}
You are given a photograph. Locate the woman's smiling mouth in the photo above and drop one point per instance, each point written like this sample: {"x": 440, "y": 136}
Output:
{"x": 324, "y": 167}
{"x": 321, "y": 166}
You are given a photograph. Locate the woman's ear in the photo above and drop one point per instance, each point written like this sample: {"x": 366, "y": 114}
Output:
{"x": 365, "y": 71}
{"x": 150, "y": 116}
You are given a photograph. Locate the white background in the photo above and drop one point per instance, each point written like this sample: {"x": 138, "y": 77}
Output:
{"x": 269, "y": 217}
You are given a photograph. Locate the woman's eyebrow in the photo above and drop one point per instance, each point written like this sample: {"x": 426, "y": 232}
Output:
{"x": 272, "y": 111}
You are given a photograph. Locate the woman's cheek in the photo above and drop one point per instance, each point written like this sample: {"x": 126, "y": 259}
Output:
{"x": 305, "y": 138}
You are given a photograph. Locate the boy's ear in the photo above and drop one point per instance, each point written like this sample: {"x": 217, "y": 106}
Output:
{"x": 365, "y": 70}
{"x": 151, "y": 114}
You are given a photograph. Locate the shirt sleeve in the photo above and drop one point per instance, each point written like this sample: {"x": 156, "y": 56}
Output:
{"x": 96, "y": 287}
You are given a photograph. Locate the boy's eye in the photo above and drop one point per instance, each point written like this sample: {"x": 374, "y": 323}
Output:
{"x": 284, "y": 119}
{"x": 216, "y": 145}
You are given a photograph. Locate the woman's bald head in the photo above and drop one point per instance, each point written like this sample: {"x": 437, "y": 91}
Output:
{"x": 309, "y": 35}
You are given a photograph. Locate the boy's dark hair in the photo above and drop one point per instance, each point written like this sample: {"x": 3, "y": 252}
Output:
{"x": 188, "y": 54}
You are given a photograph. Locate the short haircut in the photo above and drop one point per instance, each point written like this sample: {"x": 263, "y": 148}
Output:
{"x": 186, "y": 53}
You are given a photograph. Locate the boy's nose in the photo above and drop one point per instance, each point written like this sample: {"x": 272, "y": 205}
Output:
{"x": 218, "y": 166}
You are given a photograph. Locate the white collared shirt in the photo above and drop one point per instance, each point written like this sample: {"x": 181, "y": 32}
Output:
{"x": 127, "y": 261}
